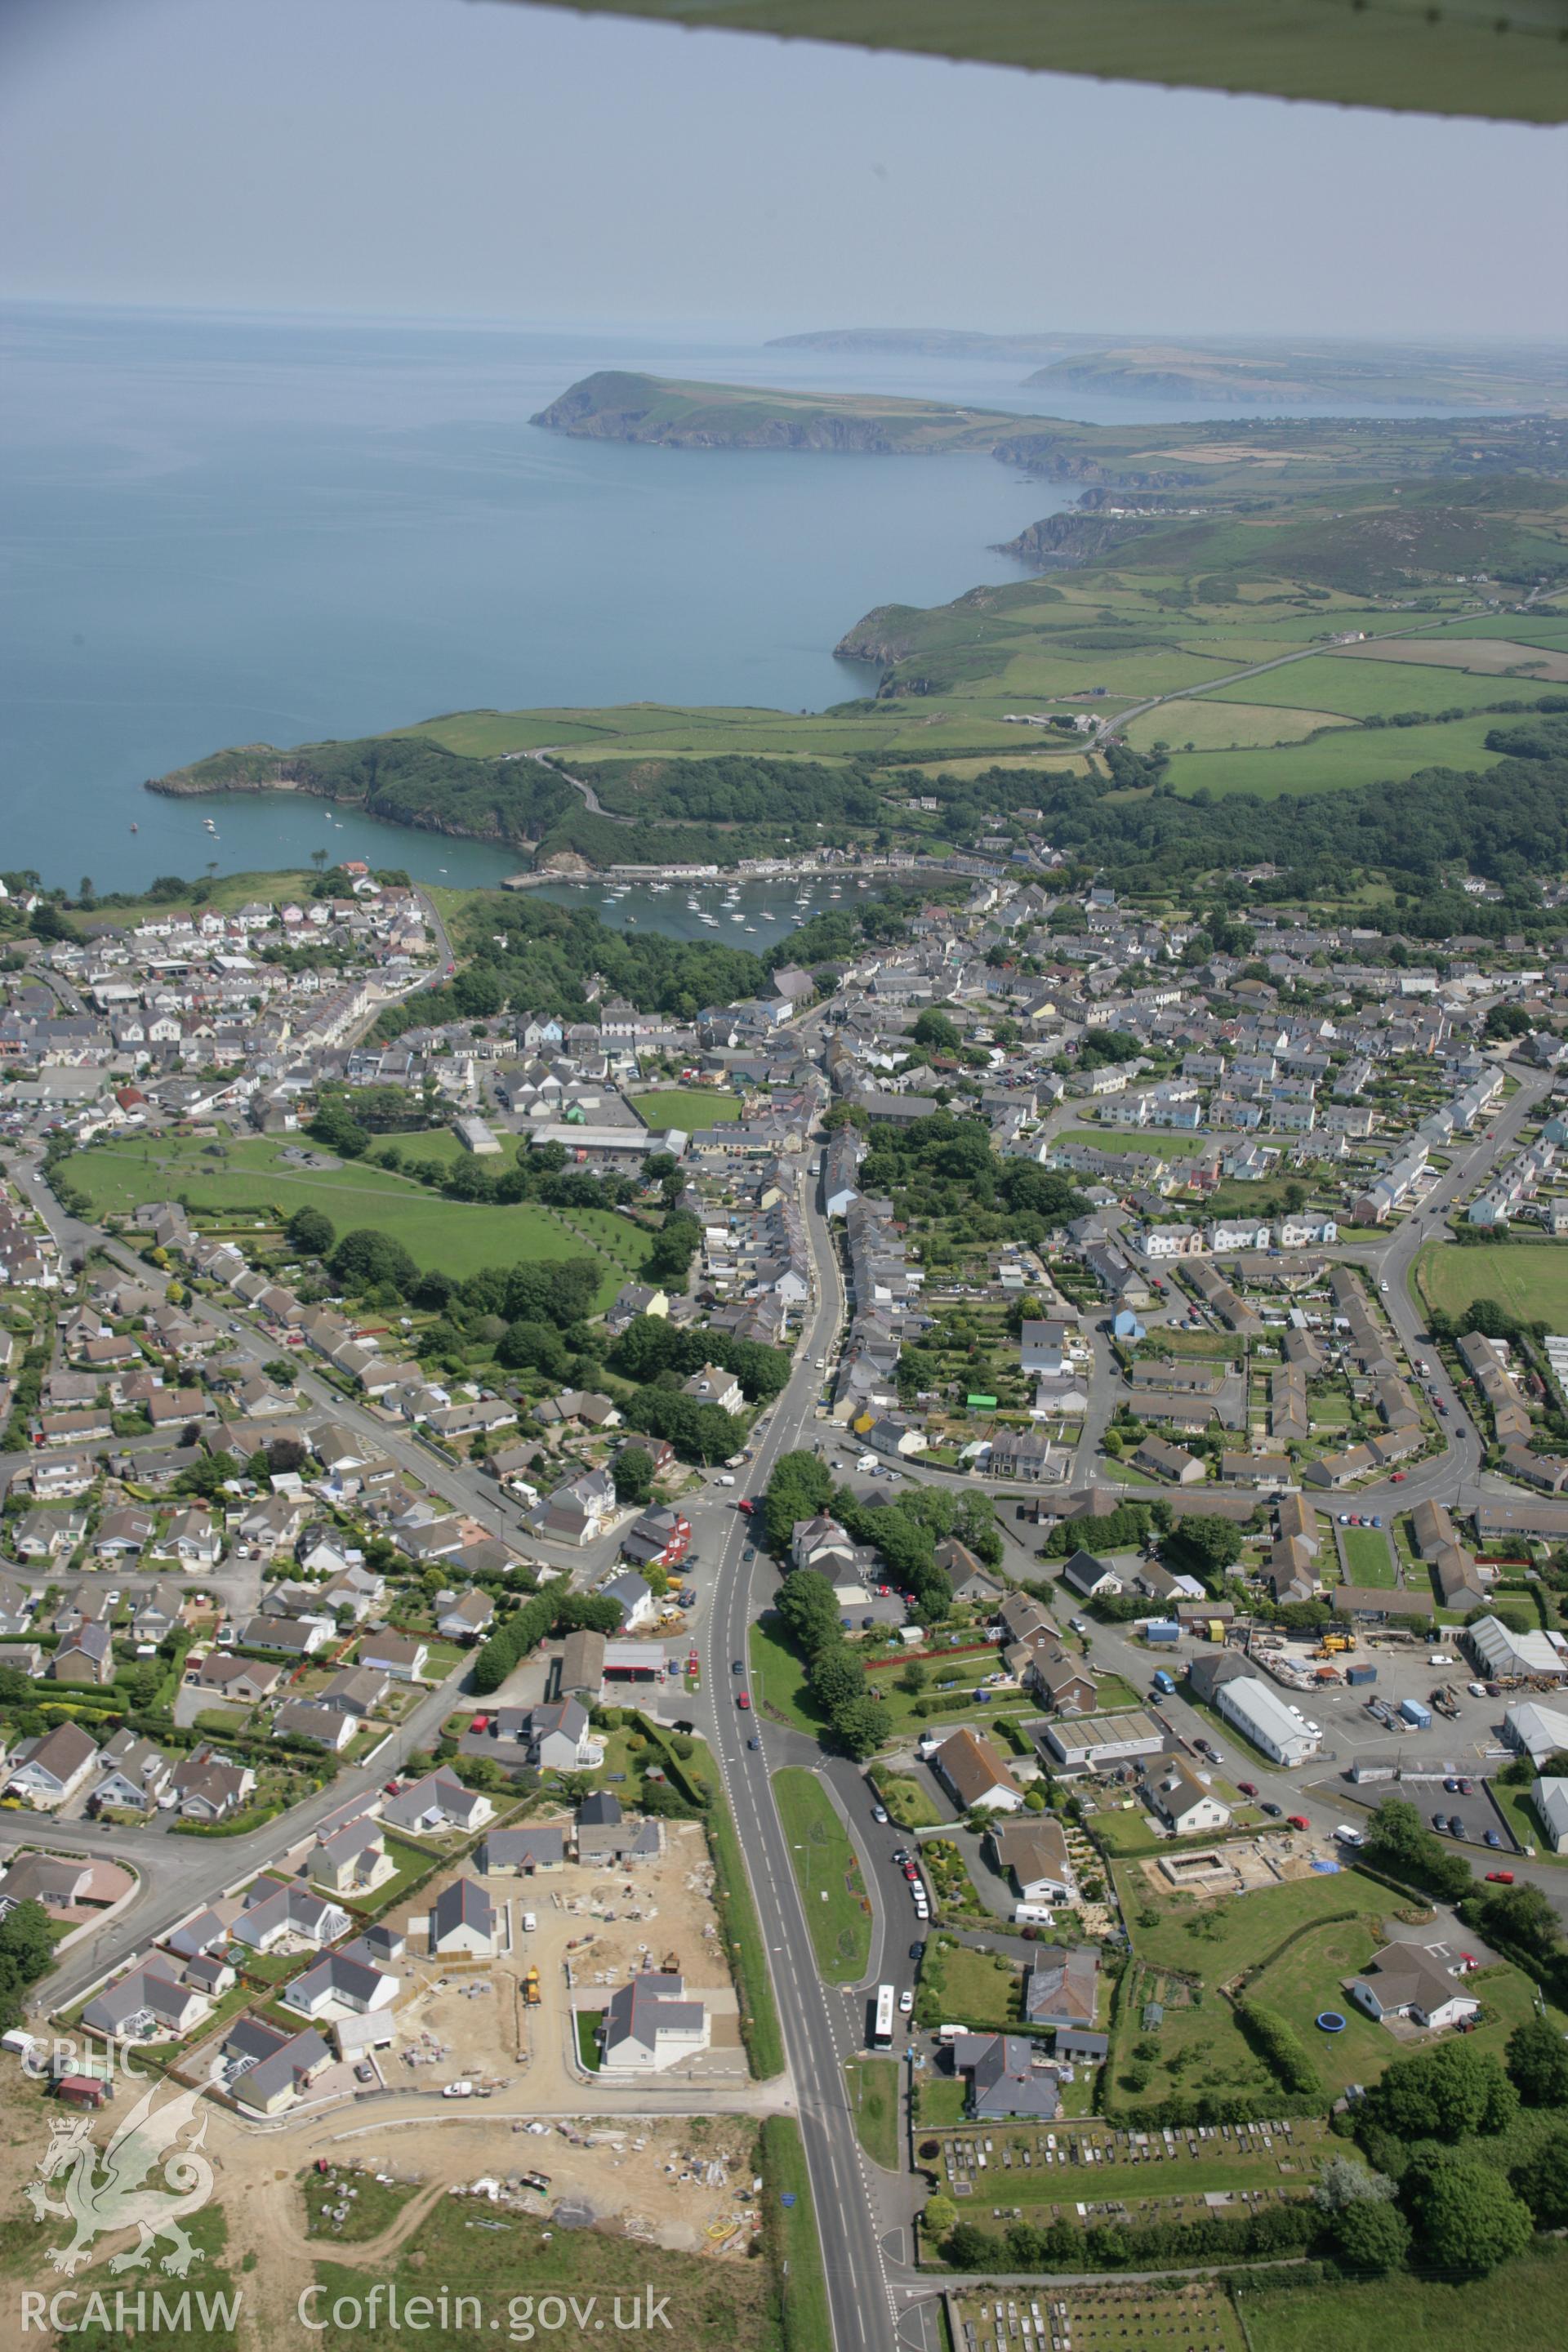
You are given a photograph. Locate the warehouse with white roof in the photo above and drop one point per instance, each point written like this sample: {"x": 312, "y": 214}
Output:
{"x": 1263, "y": 1717}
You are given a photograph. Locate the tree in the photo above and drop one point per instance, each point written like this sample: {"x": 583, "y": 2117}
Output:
{"x": 807, "y": 1605}
{"x": 1520, "y": 1916}
{"x": 914, "y": 1678}
{"x": 1538, "y": 2064}
{"x": 365, "y": 1259}
{"x": 1441, "y": 2093}
{"x": 26, "y": 1941}
{"x": 336, "y": 1126}
{"x": 857, "y": 1728}
{"x": 1208, "y": 1546}
{"x": 936, "y": 1030}
{"x": 1468, "y": 2217}
{"x": 968, "y": 2249}
{"x": 1542, "y": 2182}
{"x": 1398, "y": 1841}
{"x": 835, "y": 1679}
{"x": 1344, "y": 2180}
{"x": 632, "y": 1471}
{"x": 939, "y": 2219}
{"x": 1369, "y": 2234}
{"x": 311, "y": 1231}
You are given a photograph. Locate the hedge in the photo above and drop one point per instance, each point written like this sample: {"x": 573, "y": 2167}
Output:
{"x": 1278, "y": 2045}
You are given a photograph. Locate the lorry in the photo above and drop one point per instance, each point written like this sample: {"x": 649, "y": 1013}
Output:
{"x": 530, "y": 1995}
{"x": 1333, "y": 1644}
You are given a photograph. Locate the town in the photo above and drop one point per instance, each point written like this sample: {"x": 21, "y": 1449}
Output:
{"x": 954, "y": 1568}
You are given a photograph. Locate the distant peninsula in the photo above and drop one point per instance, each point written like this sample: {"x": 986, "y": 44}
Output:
{"x": 1243, "y": 371}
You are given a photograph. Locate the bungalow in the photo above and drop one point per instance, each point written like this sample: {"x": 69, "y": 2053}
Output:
{"x": 1006, "y": 2077}
{"x": 270, "y": 2068}
{"x": 520, "y": 1852}
{"x": 1062, "y": 1985}
{"x": 244, "y": 1680}
{"x": 1410, "y": 1980}
{"x": 52, "y": 1768}
{"x": 145, "y": 2006}
{"x": 207, "y": 1788}
{"x": 345, "y": 1979}
{"x": 274, "y": 1907}
{"x": 462, "y": 1921}
{"x": 1090, "y": 1576}
{"x": 438, "y": 1801}
{"x": 972, "y": 1771}
{"x": 465, "y": 1616}
{"x": 1033, "y": 1850}
{"x": 1164, "y": 1460}
{"x": 603, "y": 1833}
{"x": 1186, "y": 1806}
{"x": 296, "y": 1637}
{"x": 403, "y": 1659}
{"x": 307, "y": 1718}
{"x": 651, "y": 2025}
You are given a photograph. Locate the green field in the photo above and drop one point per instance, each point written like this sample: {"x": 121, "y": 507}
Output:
{"x": 687, "y": 1107}
{"x": 1367, "y": 688}
{"x": 1335, "y": 762}
{"x": 1369, "y": 1558}
{"x": 253, "y": 1183}
{"x": 1530, "y": 1279}
{"x": 1214, "y": 724}
{"x": 1512, "y": 2310}
{"x": 1152, "y": 1140}
{"x": 829, "y": 1876}
{"x": 872, "y": 2084}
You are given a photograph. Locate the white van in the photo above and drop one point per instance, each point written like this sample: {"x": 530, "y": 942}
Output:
{"x": 529, "y": 1922}
{"x": 724, "y": 1479}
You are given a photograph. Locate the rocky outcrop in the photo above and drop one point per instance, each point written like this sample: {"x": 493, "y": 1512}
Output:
{"x": 886, "y": 635}
{"x": 1059, "y": 540}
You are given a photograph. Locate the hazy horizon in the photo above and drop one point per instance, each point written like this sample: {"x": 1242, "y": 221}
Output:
{"x": 428, "y": 159}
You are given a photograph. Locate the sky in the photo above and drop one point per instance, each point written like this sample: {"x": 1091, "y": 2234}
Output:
{"x": 460, "y": 158}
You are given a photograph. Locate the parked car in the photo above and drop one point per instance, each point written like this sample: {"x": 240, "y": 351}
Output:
{"x": 1457, "y": 1828}
{"x": 906, "y": 2001}
{"x": 1299, "y": 1821}
{"x": 1492, "y": 1838}
{"x": 917, "y": 1952}
{"x": 1440, "y": 1822}
{"x": 878, "y": 1812}
{"x": 1273, "y": 1810}
{"x": 1247, "y": 1788}
{"x": 1500, "y": 1879}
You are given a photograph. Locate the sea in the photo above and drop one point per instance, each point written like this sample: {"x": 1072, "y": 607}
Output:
{"x": 224, "y": 528}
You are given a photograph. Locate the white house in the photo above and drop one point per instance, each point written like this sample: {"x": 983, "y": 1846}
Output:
{"x": 1410, "y": 1980}
{"x": 1186, "y": 1807}
{"x": 651, "y": 2025}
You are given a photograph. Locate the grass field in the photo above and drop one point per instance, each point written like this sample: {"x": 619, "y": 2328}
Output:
{"x": 1336, "y": 762}
{"x": 778, "y": 1680}
{"x": 1368, "y": 688}
{"x": 1512, "y": 2310}
{"x": 873, "y": 2088}
{"x": 254, "y": 1180}
{"x": 686, "y": 1106}
{"x": 1138, "y": 1139}
{"x": 1211, "y": 723}
{"x": 1528, "y": 1277}
{"x": 1369, "y": 1559}
{"x": 802, "y": 2287}
{"x": 836, "y": 1910}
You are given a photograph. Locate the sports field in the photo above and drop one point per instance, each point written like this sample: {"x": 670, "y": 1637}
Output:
{"x": 1530, "y": 1279}
{"x": 687, "y": 1107}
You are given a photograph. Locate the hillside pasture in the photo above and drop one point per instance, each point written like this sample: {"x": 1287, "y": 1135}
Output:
{"x": 1213, "y": 725}
{"x": 1338, "y": 762}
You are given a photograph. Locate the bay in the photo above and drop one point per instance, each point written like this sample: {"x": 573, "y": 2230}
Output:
{"x": 234, "y": 530}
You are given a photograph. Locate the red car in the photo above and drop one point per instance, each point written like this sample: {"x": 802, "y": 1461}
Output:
{"x": 910, "y": 1873}
{"x": 745, "y": 1701}
{"x": 1397, "y": 1478}
{"x": 1299, "y": 1821}
{"x": 1246, "y": 1788}
{"x": 481, "y": 1723}
{"x": 1500, "y": 1879}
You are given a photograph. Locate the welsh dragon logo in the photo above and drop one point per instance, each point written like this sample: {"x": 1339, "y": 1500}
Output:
{"x": 103, "y": 2188}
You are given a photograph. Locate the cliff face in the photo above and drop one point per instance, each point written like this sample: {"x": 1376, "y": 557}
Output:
{"x": 883, "y": 636}
{"x": 1059, "y": 540}
{"x": 1055, "y": 459}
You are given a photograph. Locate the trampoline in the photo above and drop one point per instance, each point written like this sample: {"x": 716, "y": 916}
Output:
{"x": 1328, "y": 2021}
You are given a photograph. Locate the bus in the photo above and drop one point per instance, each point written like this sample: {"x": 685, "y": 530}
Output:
{"x": 882, "y": 2029}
